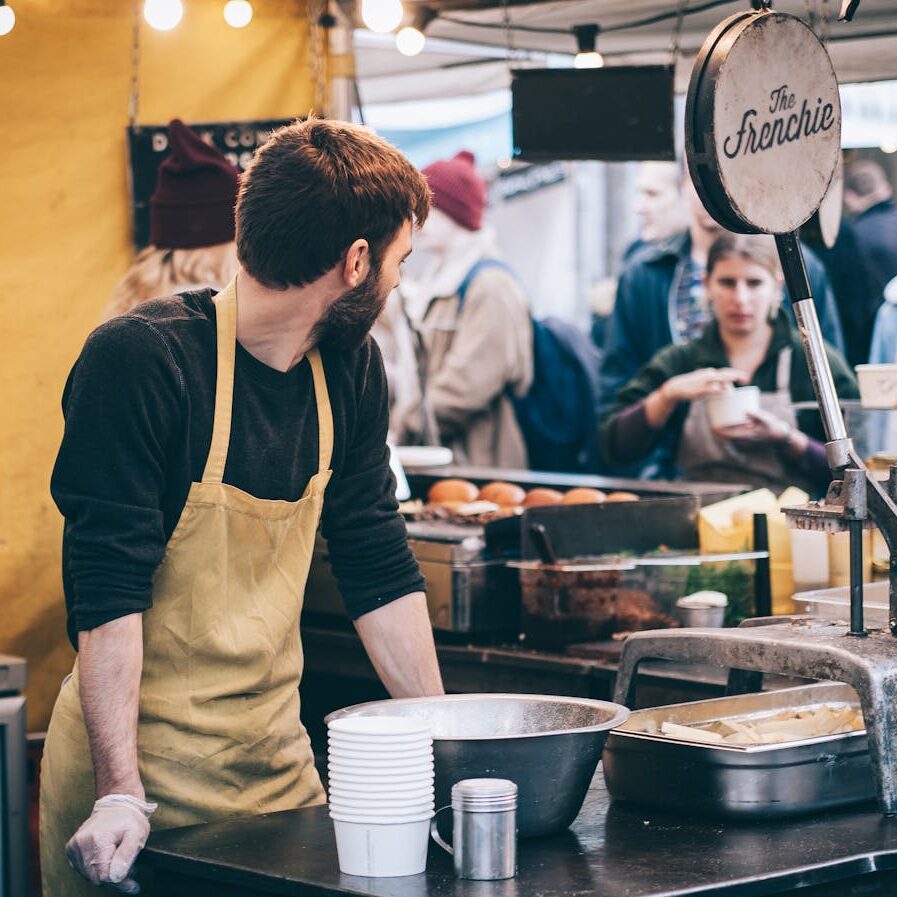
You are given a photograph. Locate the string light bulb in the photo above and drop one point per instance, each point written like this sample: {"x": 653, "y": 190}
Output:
{"x": 587, "y": 57}
{"x": 382, "y": 16}
{"x": 411, "y": 39}
{"x": 163, "y": 15}
{"x": 7, "y": 19}
{"x": 238, "y": 13}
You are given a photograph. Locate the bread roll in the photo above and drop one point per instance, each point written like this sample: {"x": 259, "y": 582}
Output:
{"x": 537, "y": 497}
{"x": 583, "y": 496}
{"x": 506, "y": 495}
{"x": 622, "y": 496}
{"x": 452, "y": 492}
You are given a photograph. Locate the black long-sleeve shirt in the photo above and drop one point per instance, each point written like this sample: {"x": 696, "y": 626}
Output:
{"x": 138, "y": 409}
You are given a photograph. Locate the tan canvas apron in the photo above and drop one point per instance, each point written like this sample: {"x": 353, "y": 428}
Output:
{"x": 219, "y": 731}
{"x": 703, "y": 456}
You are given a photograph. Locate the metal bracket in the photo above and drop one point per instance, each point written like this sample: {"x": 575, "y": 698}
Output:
{"x": 848, "y": 10}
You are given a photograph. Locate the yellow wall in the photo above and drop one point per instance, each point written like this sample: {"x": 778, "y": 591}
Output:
{"x": 65, "y": 237}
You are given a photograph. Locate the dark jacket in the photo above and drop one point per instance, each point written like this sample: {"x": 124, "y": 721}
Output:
{"x": 856, "y": 287}
{"x": 876, "y": 230}
{"x": 707, "y": 351}
{"x": 642, "y": 319}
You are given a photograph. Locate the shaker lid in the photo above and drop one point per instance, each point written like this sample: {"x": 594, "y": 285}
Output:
{"x": 484, "y": 795}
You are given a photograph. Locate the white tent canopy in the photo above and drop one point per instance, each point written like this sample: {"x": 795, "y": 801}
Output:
{"x": 471, "y": 51}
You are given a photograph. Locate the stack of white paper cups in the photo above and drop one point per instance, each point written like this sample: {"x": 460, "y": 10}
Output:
{"x": 381, "y": 793}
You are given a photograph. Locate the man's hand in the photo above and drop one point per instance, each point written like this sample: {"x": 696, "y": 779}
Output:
{"x": 109, "y": 668}
{"x": 103, "y": 850}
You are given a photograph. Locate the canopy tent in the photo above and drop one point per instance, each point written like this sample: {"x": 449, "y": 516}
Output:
{"x": 473, "y": 44}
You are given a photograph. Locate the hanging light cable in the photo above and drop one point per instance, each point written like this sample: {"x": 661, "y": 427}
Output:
{"x": 7, "y": 18}
{"x": 411, "y": 39}
{"x": 587, "y": 57}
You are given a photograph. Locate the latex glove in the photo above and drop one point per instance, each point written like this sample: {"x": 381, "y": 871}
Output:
{"x": 104, "y": 848}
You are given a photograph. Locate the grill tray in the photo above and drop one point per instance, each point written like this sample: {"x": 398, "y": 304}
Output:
{"x": 740, "y": 781}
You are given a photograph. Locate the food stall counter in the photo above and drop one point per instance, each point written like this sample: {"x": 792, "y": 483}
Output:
{"x": 610, "y": 851}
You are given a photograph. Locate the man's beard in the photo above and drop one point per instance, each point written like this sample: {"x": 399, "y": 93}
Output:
{"x": 348, "y": 321}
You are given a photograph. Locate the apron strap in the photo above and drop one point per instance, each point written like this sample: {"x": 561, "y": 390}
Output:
{"x": 783, "y": 371}
{"x": 226, "y": 327}
{"x": 325, "y": 412}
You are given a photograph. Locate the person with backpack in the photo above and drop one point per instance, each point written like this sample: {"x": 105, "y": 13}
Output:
{"x": 473, "y": 324}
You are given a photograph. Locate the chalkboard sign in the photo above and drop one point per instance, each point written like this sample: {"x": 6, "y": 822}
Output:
{"x": 616, "y": 114}
{"x": 148, "y": 146}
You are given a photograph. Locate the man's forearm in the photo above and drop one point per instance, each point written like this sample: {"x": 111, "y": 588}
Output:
{"x": 109, "y": 667}
{"x": 399, "y": 641}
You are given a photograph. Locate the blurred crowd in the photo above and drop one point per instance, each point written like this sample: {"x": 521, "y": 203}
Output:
{"x": 694, "y": 312}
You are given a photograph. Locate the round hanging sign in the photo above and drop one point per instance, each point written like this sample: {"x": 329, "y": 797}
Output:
{"x": 763, "y": 123}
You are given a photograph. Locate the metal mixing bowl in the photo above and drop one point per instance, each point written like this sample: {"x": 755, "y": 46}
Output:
{"x": 550, "y": 746}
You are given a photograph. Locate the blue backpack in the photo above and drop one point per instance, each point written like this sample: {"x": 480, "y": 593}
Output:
{"x": 559, "y": 415}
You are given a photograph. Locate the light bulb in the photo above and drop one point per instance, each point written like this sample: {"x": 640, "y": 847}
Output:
{"x": 163, "y": 15}
{"x": 591, "y": 60}
{"x": 238, "y": 13}
{"x": 382, "y": 15}
{"x": 410, "y": 41}
{"x": 7, "y": 20}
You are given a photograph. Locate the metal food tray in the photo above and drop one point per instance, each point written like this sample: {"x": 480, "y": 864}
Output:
{"x": 604, "y": 563}
{"x": 740, "y": 781}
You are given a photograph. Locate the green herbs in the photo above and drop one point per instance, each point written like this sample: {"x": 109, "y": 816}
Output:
{"x": 735, "y": 579}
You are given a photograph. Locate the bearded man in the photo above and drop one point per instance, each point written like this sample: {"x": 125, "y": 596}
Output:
{"x": 206, "y": 435}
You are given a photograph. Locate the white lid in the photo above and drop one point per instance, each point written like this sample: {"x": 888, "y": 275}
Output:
{"x": 703, "y": 599}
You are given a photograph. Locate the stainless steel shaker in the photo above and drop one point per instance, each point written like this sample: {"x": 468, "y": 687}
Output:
{"x": 484, "y": 829}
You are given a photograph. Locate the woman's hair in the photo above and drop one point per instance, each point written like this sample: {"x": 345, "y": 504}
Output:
{"x": 160, "y": 272}
{"x": 757, "y": 248}
{"x": 312, "y": 190}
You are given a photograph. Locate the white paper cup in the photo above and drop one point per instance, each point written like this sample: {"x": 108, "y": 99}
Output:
{"x": 392, "y": 778}
{"x": 352, "y": 804}
{"x": 730, "y": 409}
{"x": 878, "y": 385}
{"x": 357, "y": 766}
{"x": 390, "y": 775}
{"x": 424, "y": 749}
{"x": 368, "y": 803}
{"x": 380, "y": 727}
{"x": 389, "y": 747}
{"x": 382, "y": 850}
{"x": 385, "y": 764}
{"x": 374, "y": 738}
{"x": 382, "y": 811}
{"x": 373, "y": 787}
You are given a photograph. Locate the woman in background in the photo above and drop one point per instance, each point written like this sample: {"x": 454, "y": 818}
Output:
{"x": 191, "y": 225}
{"x": 749, "y": 341}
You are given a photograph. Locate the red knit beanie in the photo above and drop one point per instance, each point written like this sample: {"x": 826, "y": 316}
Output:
{"x": 196, "y": 190}
{"x": 458, "y": 190}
